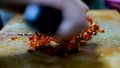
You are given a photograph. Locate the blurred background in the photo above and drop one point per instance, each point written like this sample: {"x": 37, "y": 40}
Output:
{"x": 5, "y": 16}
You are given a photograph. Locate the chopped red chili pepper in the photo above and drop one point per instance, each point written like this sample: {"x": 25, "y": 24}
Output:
{"x": 89, "y": 20}
{"x": 96, "y": 26}
{"x": 89, "y": 31}
{"x": 63, "y": 47}
{"x": 94, "y": 32}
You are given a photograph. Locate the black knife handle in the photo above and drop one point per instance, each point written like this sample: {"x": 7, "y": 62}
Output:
{"x": 45, "y": 19}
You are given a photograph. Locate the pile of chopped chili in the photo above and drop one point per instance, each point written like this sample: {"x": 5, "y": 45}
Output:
{"x": 52, "y": 45}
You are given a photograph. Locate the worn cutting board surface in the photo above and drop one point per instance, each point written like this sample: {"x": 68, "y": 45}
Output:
{"x": 103, "y": 51}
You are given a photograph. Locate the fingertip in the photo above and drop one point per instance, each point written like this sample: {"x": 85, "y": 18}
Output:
{"x": 70, "y": 28}
{"x": 64, "y": 30}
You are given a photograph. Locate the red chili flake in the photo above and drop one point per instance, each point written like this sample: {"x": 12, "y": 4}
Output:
{"x": 12, "y": 37}
{"x": 101, "y": 30}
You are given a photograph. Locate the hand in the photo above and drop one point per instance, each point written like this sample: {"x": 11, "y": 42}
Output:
{"x": 74, "y": 14}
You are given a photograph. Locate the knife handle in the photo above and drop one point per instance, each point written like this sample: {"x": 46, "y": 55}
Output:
{"x": 32, "y": 12}
{"x": 45, "y": 19}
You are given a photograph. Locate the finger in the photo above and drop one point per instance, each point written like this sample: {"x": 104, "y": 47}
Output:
{"x": 18, "y": 6}
{"x": 69, "y": 28}
{"x": 81, "y": 3}
{"x": 51, "y": 3}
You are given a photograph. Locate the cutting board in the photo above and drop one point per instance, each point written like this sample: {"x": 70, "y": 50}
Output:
{"x": 102, "y": 51}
